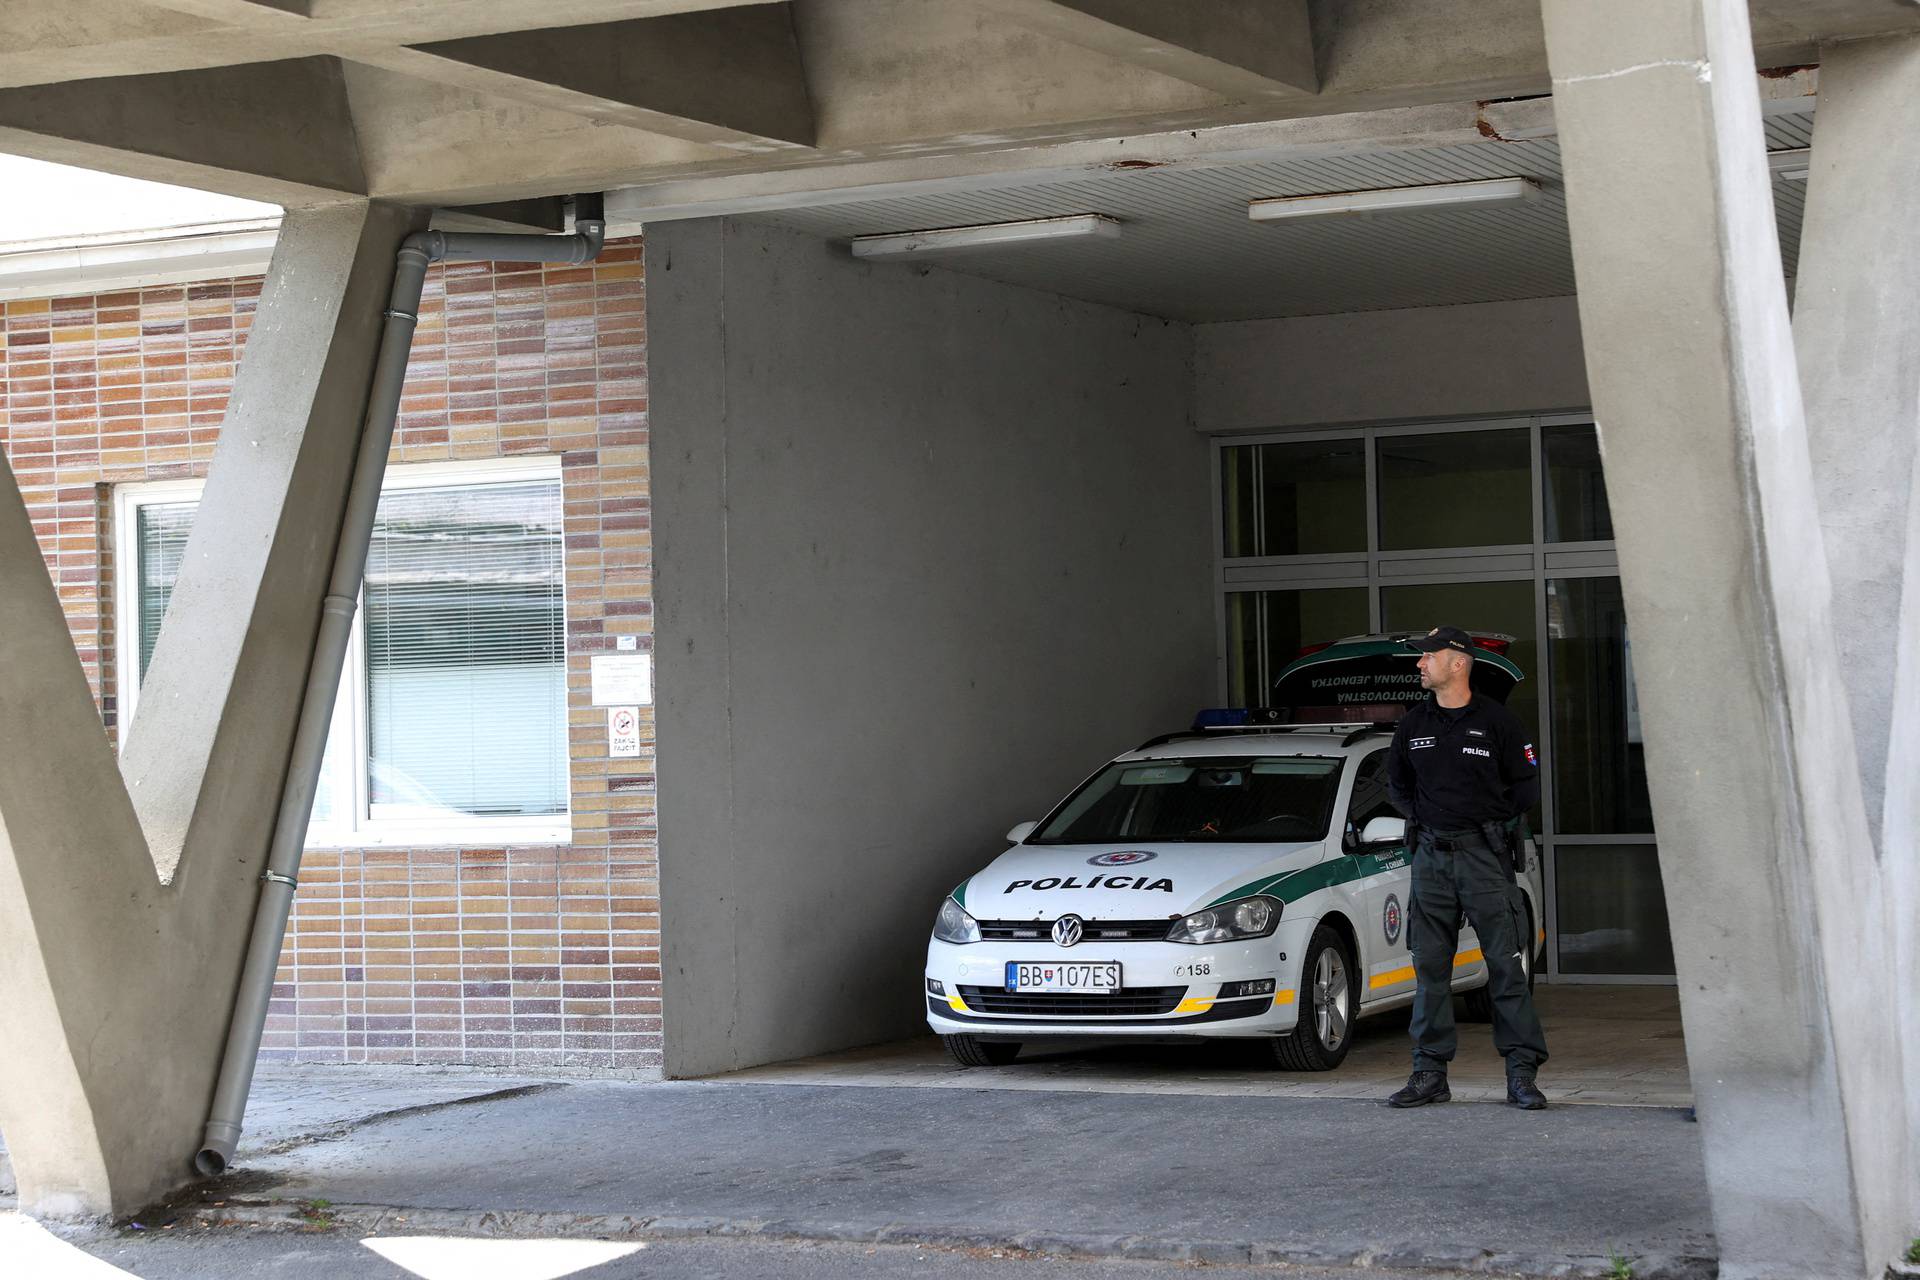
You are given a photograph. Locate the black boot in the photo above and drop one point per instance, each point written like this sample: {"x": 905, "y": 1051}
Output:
{"x": 1523, "y": 1093}
{"x": 1422, "y": 1087}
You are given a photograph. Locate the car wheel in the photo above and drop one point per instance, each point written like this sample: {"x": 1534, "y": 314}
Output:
{"x": 972, "y": 1051}
{"x": 1329, "y": 1001}
{"x": 1477, "y": 1005}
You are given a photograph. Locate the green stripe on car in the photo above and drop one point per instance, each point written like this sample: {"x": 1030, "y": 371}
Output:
{"x": 1291, "y": 886}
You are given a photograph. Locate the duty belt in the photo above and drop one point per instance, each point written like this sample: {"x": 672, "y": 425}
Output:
{"x": 1453, "y": 841}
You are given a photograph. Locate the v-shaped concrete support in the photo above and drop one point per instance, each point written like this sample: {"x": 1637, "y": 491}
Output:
{"x": 127, "y": 887}
{"x": 1856, "y": 327}
{"x": 1783, "y": 933}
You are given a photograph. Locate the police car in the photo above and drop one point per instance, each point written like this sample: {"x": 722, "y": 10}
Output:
{"x": 1236, "y": 880}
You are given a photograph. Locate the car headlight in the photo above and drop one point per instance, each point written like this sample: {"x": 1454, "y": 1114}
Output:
{"x": 1254, "y": 917}
{"x": 953, "y": 924}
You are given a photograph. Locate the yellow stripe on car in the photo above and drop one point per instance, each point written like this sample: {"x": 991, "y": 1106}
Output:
{"x": 1390, "y": 977}
{"x": 1283, "y": 997}
{"x": 1194, "y": 1004}
{"x": 1405, "y": 973}
{"x": 958, "y": 1005}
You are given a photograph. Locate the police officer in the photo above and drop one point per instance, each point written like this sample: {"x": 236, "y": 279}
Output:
{"x": 1462, "y": 771}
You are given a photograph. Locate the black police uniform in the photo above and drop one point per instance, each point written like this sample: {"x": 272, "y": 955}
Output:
{"x": 1451, "y": 770}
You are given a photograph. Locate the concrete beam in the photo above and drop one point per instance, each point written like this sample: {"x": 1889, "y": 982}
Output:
{"x": 240, "y": 12}
{"x": 46, "y": 41}
{"x": 127, "y": 891}
{"x": 796, "y": 184}
{"x": 767, "y": 187}
{"x": 1856, "y": 325}
{"x": 731, "y": 78}
{"x": 1243, "y": 50}
{"x": 1785, "y": 968}
{"x": 278, "y": 132}
{"x": 1484, "y": 359}
{"x": 428, "y": 139}
{"x": 886, "y": 80}
{"x": 544, "y": 214}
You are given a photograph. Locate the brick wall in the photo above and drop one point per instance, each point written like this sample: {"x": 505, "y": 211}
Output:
{"x": 516, "y": 957}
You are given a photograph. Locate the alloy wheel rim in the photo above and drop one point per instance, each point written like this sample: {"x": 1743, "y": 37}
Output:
{"x": 1330, "y": 996}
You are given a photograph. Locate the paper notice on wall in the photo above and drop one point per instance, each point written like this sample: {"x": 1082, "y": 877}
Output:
{"x": 623, "y": 732}
{"x": 622, "y": 679}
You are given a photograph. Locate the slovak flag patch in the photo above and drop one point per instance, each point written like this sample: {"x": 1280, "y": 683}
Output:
{"x": 1532, "y": 759}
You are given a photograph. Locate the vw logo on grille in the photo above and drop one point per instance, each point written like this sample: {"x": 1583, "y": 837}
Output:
{"x": 1067, "y": 930}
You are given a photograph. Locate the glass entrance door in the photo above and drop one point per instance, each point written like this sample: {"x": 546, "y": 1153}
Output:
{"x": 1610, "y": 908}
{"x": 1493, "y": 526}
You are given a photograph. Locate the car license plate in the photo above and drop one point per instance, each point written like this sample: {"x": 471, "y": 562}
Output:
{"x": 1082, "y": 977}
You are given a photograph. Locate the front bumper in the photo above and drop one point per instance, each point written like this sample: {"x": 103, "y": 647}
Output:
{"x": 1167, "y": 989}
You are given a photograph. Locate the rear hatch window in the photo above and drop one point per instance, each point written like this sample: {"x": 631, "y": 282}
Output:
{"x": 1375, "y": 678}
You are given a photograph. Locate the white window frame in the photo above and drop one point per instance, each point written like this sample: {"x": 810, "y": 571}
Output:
{"x": 355, "y": 831}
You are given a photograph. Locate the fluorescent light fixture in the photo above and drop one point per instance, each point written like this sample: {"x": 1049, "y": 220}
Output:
{"x": 1493, "y": 193}
{"x": 992, "y": 235}
{"x": 1791, "y": 164}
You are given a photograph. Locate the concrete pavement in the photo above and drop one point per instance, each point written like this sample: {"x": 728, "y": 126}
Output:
{"x": 295, "y": 1104}
{"x": 1143, "y": 1155}
{"x": 1613, "y": 1046}
{"x": 334, "y": 1254}
{"x": 1168, "y": 1177}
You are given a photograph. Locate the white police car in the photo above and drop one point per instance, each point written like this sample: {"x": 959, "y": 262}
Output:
{"x": 1224, "y": 882}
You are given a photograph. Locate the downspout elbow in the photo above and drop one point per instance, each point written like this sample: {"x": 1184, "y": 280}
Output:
{"x": 427, "y": 247}
{"x": 582, "y": 245}
{"x": 590, "y": 224}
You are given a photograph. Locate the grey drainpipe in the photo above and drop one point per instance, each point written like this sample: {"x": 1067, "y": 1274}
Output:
{"x": 417, "y": 252}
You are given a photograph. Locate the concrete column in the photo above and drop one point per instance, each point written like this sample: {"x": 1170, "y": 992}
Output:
{"x": 1857, "y": 327}
{"x": 125, "y": 905}
{"x": 1900, "y": 839}
{"x": 1785, "y": 965}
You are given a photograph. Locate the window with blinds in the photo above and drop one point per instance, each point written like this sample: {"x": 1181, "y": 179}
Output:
{"x": 161, "y": 540}
{"x": 451, "y": 721}
{"x": 466, "y": 653}
{"x": 160, "y": 532}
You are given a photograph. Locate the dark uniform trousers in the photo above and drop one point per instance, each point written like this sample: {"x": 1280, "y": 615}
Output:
{"x": 1451, "y": 874}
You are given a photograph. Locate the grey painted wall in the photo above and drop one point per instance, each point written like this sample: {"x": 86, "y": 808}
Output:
{"x": 929, "y": 549}
{"x": 1377, "y": 366}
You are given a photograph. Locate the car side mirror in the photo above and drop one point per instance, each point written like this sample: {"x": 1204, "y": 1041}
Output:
{"x": 1384, "y": 831}
{"x": 1021, "y": 832}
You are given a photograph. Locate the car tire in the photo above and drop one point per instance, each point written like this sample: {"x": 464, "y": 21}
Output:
{"x": 972, "y": 1051}
{"x": 1477, "y": 1005}
{"x": 1329, "y": 1003}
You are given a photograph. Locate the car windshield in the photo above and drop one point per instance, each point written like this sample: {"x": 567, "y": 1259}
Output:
{"x": 1204, "y": 798}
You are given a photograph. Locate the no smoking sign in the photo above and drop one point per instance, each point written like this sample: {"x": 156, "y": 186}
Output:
{"x": 623, "y": 732}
